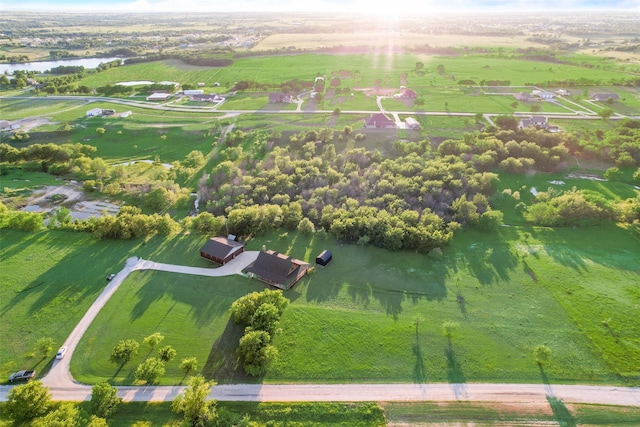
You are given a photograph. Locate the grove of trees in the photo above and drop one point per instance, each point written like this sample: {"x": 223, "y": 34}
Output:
{"x": 260, "y": 312}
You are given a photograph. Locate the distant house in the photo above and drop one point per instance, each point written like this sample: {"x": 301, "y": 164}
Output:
{"x": 523, "y": 96}
{"x": 276, "y": 269}
{"x": 207, "y": 98}
{"x": 379, "y": 121}
{"x": 539, "y": 122}
{"x": 542, "y": 94}
{"x": 94, "y": 112}
{"x": 158, "y": 96}
{"x": 408, "y": 93}
{"x": 411, "y": 123}
{"x": 4, "y": 124}
{"x": 108, "y": 112}
{"x": 279, "y": 97}
{"x": 193, "y": 92}
{"x": 202, "y": 85}
{"x": 563, "y": 92}
{"x": 221, "y": 250}
{"x": 603, "y": 97}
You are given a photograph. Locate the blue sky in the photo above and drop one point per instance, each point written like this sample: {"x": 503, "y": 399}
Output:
{"x": 381, "y": 6}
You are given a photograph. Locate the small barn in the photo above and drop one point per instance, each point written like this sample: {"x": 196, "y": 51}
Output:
{"x": 221, "y": 250}
{"x": 324, "y": 258}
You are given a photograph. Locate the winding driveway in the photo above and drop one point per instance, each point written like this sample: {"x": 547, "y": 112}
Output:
{"x": 64, "y": 387}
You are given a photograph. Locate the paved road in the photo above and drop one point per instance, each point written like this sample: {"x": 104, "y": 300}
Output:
{"x": 193, "y": 109}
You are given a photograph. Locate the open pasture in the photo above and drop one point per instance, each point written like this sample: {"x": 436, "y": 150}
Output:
{"x": 388, "y": 39}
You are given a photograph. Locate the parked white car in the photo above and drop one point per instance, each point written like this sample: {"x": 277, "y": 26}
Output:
{"x": 61, "y": 352}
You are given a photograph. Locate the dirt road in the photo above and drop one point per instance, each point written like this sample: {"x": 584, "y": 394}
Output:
{"x": 64, "y": 387}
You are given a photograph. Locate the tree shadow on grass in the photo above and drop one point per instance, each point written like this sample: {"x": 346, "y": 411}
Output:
{"x": 419, "y": 369}
{"x": 560, "y": 410}
{"x": 223, "y": 363}
{"x": 491, "y": 264}
{"x": 320, "y": 291}
{"x": 455, "y": 376}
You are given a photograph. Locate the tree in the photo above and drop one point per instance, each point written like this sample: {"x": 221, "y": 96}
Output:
{"x": 256, "y": 351}
{"x": 188, "y": 364}
{"x": 419, "y": 65}
{"x": 104, "y": 400}
{"x": 507, "y": 122}
{"x": 153, "y": 340}
{"x": 124, "y": 351}
{"x": 45, "y": 346}
{"x": 541, "y": 354}
{"x": 28, "y": 401}
{"x": 159, "y": 199}
{"x": 306, "y": 227}
{"x": 150, "y": 370}
{"x": 64, "y": 415}
{"x": 606, "y": 113}
{"x": 449, "y": 327}
{"x": 97, "y": 422}
{"x": 167, "y": 354}
{"x": 266, "y": 318}
{"x": 193, "y": 403}
{"x": 101, "y": 131}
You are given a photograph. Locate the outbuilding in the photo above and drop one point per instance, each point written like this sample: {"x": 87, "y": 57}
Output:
{"x": 221, "y": 250}
{"x": 94, "y": 112}
{"x": 324, "y": 258}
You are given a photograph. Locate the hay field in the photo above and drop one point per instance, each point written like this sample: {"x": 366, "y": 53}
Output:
{"x": 391, "y": 39}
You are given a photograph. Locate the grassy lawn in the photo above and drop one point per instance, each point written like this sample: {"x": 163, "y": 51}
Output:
{"x": 51, "y": 278}
{"x": 19, "y": 109}
{"x": 376, "y": 316}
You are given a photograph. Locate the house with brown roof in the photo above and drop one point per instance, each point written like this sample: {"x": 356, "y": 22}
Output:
{"x": 276, "y": 269}
{"x": 380, "y": 121}
{"x": 221, "y": 250}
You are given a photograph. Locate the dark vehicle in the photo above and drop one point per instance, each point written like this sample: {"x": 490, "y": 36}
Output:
{"x": 110, "y": 276}
{"x": 22, "y": 375}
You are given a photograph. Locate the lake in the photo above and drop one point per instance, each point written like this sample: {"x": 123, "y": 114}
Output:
{"x": 42, "y": 66}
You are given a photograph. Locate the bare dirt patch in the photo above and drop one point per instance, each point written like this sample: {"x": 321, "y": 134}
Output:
{"x": 70, "y": 196}
{"x": 27, "y": 125}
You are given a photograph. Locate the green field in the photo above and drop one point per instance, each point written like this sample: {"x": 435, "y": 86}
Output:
{"x": 376, "y": 316}
{"x": 367, "y": 68}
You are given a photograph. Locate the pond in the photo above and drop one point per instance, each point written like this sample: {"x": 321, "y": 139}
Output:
{"x": 42, "y": 66}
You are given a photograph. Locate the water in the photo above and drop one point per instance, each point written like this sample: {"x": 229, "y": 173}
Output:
{"x": 42, "y": 66}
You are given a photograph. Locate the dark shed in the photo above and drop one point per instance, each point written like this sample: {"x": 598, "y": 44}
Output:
{"x": 324, "y": 258}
